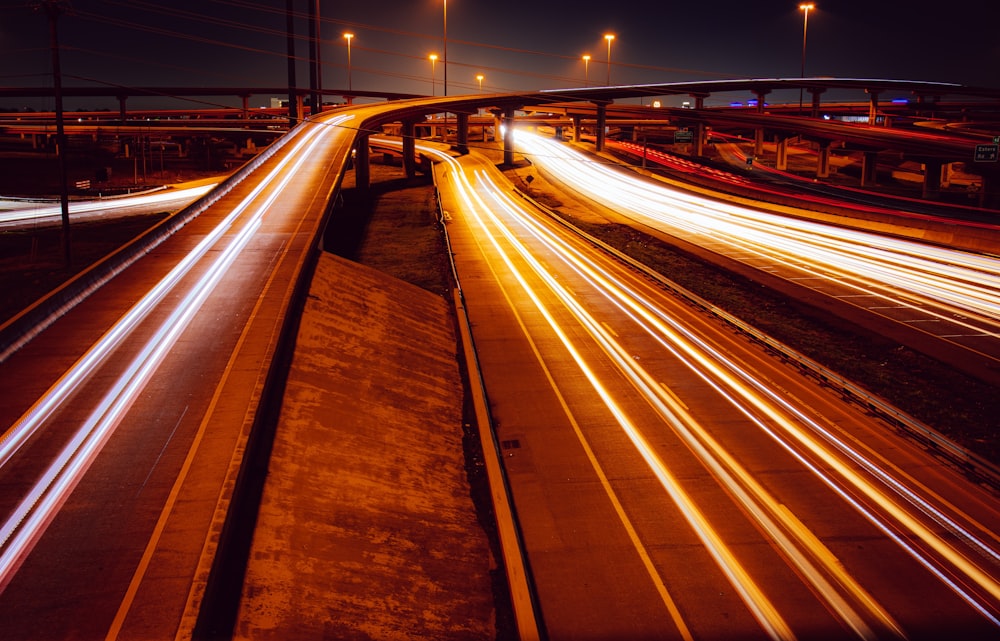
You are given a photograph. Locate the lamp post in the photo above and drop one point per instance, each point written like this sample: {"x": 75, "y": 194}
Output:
{"x": 805, "y": 7}
{"x": 586, "y": 70}
{"x": 349, "y": 37}
{"x": 433, "y": 58}
{"x": 480, "y": 77}
{"x": 609, "y": 37}
{"x": 445, "y": 61}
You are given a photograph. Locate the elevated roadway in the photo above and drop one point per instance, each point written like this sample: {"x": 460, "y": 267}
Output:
{"x": 164, "y": 357}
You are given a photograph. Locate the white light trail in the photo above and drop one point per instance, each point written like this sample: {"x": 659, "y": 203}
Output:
{"x": 791, "y": 427}
{"x": 19, "y": 212}
{"x": 904, "y": 273}
{"x": 21, "y": 530}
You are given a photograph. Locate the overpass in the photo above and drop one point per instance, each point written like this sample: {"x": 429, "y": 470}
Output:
{"x": 598, "y": 104}
{"x": 223, "y": 377}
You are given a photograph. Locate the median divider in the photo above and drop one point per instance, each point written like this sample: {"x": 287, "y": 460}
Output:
{"x": 522, "y": 591}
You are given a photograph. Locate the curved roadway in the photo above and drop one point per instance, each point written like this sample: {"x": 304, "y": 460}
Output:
{"x": 673, "y": 481}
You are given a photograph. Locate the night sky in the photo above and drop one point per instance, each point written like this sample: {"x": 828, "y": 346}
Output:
{"x": 517, "y": 46}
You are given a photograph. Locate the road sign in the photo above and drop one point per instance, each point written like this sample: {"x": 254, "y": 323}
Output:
{"x": 987, "y": 153}
{"x": 683, "y": 135}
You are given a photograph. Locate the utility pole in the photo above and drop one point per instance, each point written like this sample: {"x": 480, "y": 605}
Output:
{"x": 293, "y": 105}
{"x": 313, "y": 45}
{"x": 53, "y": 9}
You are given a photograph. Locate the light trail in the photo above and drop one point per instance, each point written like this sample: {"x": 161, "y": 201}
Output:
{"x": 22, "y": 213}
{"x": 25, "y": 525}
{"x": 963, "y": 288}
{"x": 830, "y": 458}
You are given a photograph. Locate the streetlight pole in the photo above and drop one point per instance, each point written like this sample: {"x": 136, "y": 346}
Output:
{"x": 586, "y": 70}
{"x": 805, "y": 7}
{"x": 480, "y": 79}
{"x": 349, "y": 37}
{"x": 433, "y": 58}
{"x": 445, "y": 61}
{"x": 609, "y": 37}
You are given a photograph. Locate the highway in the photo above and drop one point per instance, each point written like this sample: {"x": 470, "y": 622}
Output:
{"x": 28, "y": 213}
{"x": 951, "y": 295}
{"x": 133, "y": 407}
{"x": 673, "y": 481}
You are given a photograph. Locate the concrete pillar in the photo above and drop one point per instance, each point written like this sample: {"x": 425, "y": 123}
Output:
{"x": 872, "y": 106}
{"x": 408, "y": 131}
{"x": 781, "y": 153}
{"x": 576, "y": 127}
{"x": 497, "y": 124}
{"x": 362, "y": 170}
{"x": 816, "y": 93}
{"x": 699, "y": 139}
{"x": 761, "y": 95}
{"x": 245, "y": 100}
{"x": 758, "y": 138}
{"x": 823, "y": 160}
{"x": 300, "y": 104}
{"x": 869, "y": 168}
{"x": 602, "y": 119}
{"x": 462, "y": 133}
{"x": 508, "y": 137}
{"x": 699, "y": 100}
{"x": 932, "y": 180}
{"x": 122, "y": 112}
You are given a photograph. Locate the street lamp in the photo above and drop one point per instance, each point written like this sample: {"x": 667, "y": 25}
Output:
{"x": 348, "y": 37}
{"x": 586, "y": 70}
{"x": 479, "y": 77}
{"x": 805, "y": 7}
{"x": 609, "y": 37}
{"x": 433, "y": 58}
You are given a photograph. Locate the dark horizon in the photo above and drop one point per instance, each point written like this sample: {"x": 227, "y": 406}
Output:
{"x": 242, "y": 43}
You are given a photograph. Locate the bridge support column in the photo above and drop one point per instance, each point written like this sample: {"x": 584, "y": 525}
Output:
{"x": 122, "y": 111}
{"x": 872, "y": 107}
{"x": 508, "y": 137}
{"x": 823, "y": 160}
{"x": 932, "y": 180}
{"x": 781, "y": 153}
{"x": 758, "y": 138}
{"x": 576, "y": 128}
{"x": 300, "y": 105}
{"x": 602, "y": 119}
{"x": 869, "y": 168}
{"x": 462, "y": 133}
{"x": 408, "y": 131}
{"x": 497, "y": 125}
{"x": 699, "y": 139}
{"x": 362, "y": 170}
{"x": 699, "y": 100}
{"x": 245, "y": 102}
{"x": 816, "y": 93}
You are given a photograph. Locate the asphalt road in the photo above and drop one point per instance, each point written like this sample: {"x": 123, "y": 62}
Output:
{"x": 114, "y": 497}
{"x": 672, "y": 480}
